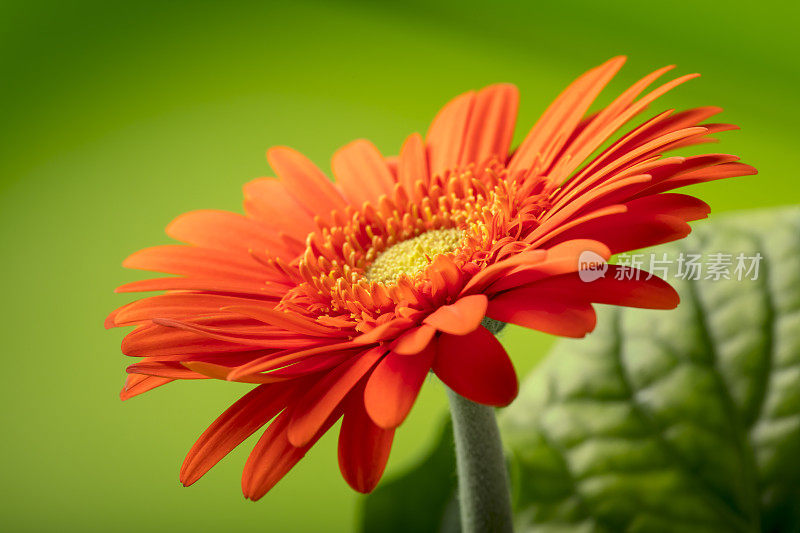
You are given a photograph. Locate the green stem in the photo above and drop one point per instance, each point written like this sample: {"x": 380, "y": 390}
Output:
{"x": 483, "y": 489}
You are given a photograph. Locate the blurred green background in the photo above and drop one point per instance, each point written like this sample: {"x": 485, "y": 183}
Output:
{"x": 118, "y": 116}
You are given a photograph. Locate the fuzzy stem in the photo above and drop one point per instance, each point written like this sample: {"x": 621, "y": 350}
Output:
{"x": 483, "y": 488}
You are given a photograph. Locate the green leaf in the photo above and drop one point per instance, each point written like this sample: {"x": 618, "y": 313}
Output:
{"x": 682, "y": 420}
{"x": 422, "y": 499}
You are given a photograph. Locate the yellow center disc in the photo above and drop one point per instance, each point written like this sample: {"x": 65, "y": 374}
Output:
{"x": 413, "y": 255}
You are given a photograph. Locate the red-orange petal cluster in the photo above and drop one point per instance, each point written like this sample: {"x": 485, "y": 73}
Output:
{"x": 284, "y": 297}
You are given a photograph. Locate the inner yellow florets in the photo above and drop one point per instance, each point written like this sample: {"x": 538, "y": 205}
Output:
{"x": 411, "y": 256}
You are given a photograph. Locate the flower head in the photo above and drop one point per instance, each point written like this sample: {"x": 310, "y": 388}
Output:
{"x": 337, "y": 299}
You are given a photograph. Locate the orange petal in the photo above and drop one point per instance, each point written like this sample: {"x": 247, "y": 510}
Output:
{"x": 311, "y": 411}
{"x": 164, "y": 369}
{"x": 637, "y": 289}
{"x": 394, "y": 385}
{"x": 384, "y": 331}
{"x": 232, "y": 427}
{"x": 305, "y": 182}
{"x": 602, "y": 124}
{"x": 362, "y": 172}
{"x": 461, "y": 317}
{"x": 136, "y": 384}
{"x": 560, "y": 259}
{"x": 491, "y": 125}
{"x": 285, "y": 320}
{"x": 199, "y": 284}
{"x": 267, "y": 200}
{"x": 561, "y": 117}
{"x": 156, "y": 340}
{"x": 273, "y": 455}
{"x": 623, "y": 232}
{"x": 479, "y": 281}
{"x": 412, "y": 165}
{"x": 415, "y": 340}
{"x": 199, "y": 262}
{"x": 702, "y": 175}
{"x": 539, "y": 310}
{"x": 616, "y": 115}
{"x": 445, "y": 138}
{"x": 682, "y": 206}
{"x": 311, "y": 365}
{"x": 174, "y": 305}
{"x": 223, "y": 230}
{"x": 363, "y": 447}
{"x": 477, "y": 367}
{"x": 277, "y": 360}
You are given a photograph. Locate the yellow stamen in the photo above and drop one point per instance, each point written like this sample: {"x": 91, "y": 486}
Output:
{"x": 411, "y": 256}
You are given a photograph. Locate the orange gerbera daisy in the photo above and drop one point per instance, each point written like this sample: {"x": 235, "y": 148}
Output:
{"x": 337, "y": 299}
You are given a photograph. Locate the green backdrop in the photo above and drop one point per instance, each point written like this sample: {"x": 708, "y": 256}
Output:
{"x": 118, "y": 116}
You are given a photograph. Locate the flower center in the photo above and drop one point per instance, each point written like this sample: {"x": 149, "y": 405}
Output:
{"x": 411, "y": 256}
